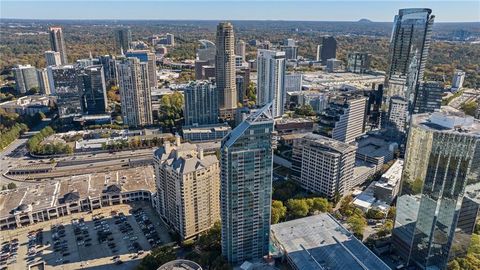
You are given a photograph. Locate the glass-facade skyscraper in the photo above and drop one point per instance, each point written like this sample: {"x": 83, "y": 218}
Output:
{"x": 408, "y": 53}
{"x": 440, "y": 189}
{"x": 246, "y": 187}
{"x": 94, "y": 95}
{"x": 201, "y": 104}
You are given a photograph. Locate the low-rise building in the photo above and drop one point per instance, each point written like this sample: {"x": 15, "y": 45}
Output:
{"x": 387, "y": 188}
{"x": 28, "y": 105}
{"x": 206, "y": 133}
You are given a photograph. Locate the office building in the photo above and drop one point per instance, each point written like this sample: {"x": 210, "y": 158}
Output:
{"x": 328, "y": 49}
{"x": 135, "y": 93}
{"x": 43, "y": 83}
{"x": 358, "y": 62}
{"x": 246, "y": 187}
{"x": 146, "y": 56}
{"x": 25, "y": 78}
{"x": 170, "y": 39}
{"x": 206, "y": 133}
{"x": 334, "y": 65}
{"x": 94, "y": 90}
{"x": 109, "y": 70}
{"x": 240, "y": 49}
{"x": 323, "y": 165}
{"x": 225, "y": 70}
{"x": 397, "y": 114}
{"x": 200, "y": 70}
{"x": 439, "y": 198}
{"x": 65, "y": 85}
{"x": 57, "y": 43}
{"x": 201, "y": 103}
{"x": 123, "y": 40}
{"x": 53, "y": 58}
{"x": 374, "y": 104}
{"x": 408, "y": 53}
{"x": 188, "y": 188}
{"x": 387, "y": 188}
{"x": 271, "y": 80}
{"x": 242, "y": 81}
{"x": 344, "y": 118}
{"x": 206, "y": 51}
{"x": 293, "y": 82}
{"x": 458, "y": 79}
{"x": 322, "y": 242}
{"x": 428, "y": 97}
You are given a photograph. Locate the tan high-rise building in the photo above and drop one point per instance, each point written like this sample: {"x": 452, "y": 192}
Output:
{"x": 225, "y": 70}
{"x": 135, "y": 94}
{"x": 58, "y": 43}
{"x": 188, "y": 188}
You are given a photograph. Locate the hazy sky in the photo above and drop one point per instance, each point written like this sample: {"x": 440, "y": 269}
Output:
{"x": 311, "y": 10}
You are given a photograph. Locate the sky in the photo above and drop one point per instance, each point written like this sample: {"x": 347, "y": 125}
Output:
{"x": 303, "y": 10}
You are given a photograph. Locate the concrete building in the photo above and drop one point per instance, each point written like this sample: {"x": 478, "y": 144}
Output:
{"x": 323, "y": 165}
{"x": 94, "y": 90}
{"x": 293, "y": 82}
{"x": 109, "y": 68}
{"x": 225, "y": 70}
{"x": 57, "y": 43}
{"x": 188, "y": 188}
{"x": 428, "y": 97}
{"x": 344, "y": 118}
{"x": 206, "y": 51}
{"x": 457, "y": 80}
{"x": 180, "y": 265}
{"x": 320, "y": 242}
{"x": 375, "y": 149}
{"x": 25, "y": 78}
{"x": 328, "y": 49}
{"x": 358, "y": 62}
{"x": 246, "y": 187}
{"x": 242, "y": 81}
{"x": 439, "y": 199}
{"x": 334, "y": 65}
{"x": 387, "y": 188}
{"x": 291, "y": 52}
{"x": 271, "y": 80}
{"x": 43, "y": 83}
{"x": 397, "y": 114}
{"x": 206, "y": 133}
{"x": 28, "y": 105}
{"x": 240, "y": 49}
{"x": 318, "y": 100}
{"x": 146, "y": 56}
{"x": 53, "y": 58}
{"x": 123, "y": 40}
{"x": 64, "y": 84}
{"x": 135, "y": 92}
{"x": 201, "y": 103}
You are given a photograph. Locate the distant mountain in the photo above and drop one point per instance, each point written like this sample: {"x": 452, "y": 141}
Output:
{"x": 364, "y": 21}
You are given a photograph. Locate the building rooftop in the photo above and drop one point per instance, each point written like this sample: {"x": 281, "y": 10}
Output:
{"x": 321, "y": 242}
{"x": 330, "y": 143}
{"x": 180, "y": 265}
{"x": 448, "y": 121}
{"x": 392, "y": 176}
{"x": 373, "y": 146}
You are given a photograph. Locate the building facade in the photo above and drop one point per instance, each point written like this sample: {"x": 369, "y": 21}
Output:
{"x": 53, "y": 58}
{"x": 25, "y": 78}
{"x": 146, "y": 56}
{"x": 271, "y": 80}
{"x": 458, "y": 79}
{"x": 64, "y": 84}
{"x": 240, "y": 49}
{"x": 201, "y": 104}
{"x": 293, "y": 82}
{"x": 328, "y": 49}
{"x": 94, "y": 90}
{"x": 188, "y": 188}
{"x": 428, "y": 97}
{"x": 358, "y": 62}
{"x": 57, "y": 43}
{"x": 135, "y": 92}
{"x": 439, "y": 197}
{"x": 43, "y": 83}
{"x": 246, "y": 186}
{"x": 123, "y": 39}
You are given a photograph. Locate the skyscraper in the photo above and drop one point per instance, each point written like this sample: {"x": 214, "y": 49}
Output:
{"x": 53, "y": 58}
{"x": 457, "y": 81}
{"x": 290, "y": 48}
{"x": 408, "y": 53}
{"x": 146, "y": 56}
{"x": 58, "y": 43}
{"x": 428, "y": 97}
{"x": 201, "y": 104}
{"x": 123, "y": 39}
{"x": 271, "y": 80}
{"x": 109, "y": 68}
{"x": 135, "y": 92}
{"x": 225, "y": 70}
{"x": 25, "y": 78}
{"x": 344, "y": 118}
{"x": 206, "y": 51}
{"x": 323, "y": 165}
{"x": 358, "y": 62}
{"x": 65, "y": 85}
{"x": 246, "y": 187}
{"x": 439, "y": 197}
{"x": 188, "y": 188}
{"x": 240, "y": 49}
{"x": 94, "y": 90}
{"x": 328, "y": 49}
{"x": 43, "y": 83}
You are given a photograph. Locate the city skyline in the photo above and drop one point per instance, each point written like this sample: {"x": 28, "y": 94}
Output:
{"x": 446, "y": 11}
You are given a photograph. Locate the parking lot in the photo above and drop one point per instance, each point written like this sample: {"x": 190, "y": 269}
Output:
{"x": 114, "y": 237}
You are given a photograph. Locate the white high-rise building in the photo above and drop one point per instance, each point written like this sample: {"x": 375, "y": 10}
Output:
{"x": 43, "y": 83}
{"x": 135, "y": 92}
{"x": 457, "y": 81}
{"x": 271, "y": 80}
{"x": 293, "y": 82}
{"x": 240, "y": 49}
{"x": 25, "y": 78}
{"x": 53, "y": 58}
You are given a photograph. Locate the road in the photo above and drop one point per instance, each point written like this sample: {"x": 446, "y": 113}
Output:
{"x": 9, "y": 156}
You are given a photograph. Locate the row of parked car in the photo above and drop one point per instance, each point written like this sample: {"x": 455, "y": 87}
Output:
{"x": 147, "y": 227}
{"x": 60, "y": 243}
{"x": 8, "y": 253}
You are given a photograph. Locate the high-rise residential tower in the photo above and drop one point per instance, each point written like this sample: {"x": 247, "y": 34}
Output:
{"x": 201, "y": 104}
{"x": 408, "y": 53}
{"x": 57, "y": 43}
{"x": 53, "y": 58}
{"x": 225, "y": 70}
{"x": 246, "y": 187}
{"x": 240, "y": 49}
{"x": 188, "y": 188}
{"x": 458, "y": 79}
{"x": 25, "y": 78}
{"x": 92, "y": 79}
{"x": 146, "y": 56}
{"x": 439, "y": 198}
{"x": 135, "y": 92}
{"x": 358, "y": 62}
{"x": 429, "y": 97}
{"x": 328, "y": 49}
{"x": 65, "y": 85}
{"x": 271, "y": 80}
{"x": 123, "y": 39}
{"x": 43, "y": 83}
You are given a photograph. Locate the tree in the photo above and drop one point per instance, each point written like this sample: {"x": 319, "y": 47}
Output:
{"x": 12, "y": 185}
{"x": 357, "y": 225}
{"x": 320, "y": 205}
{"x": 156, "y": 258}
{"x": 386, "y": 229}
{"x": 391, "y": 212}
{"x": 469, "y": 107}
{"x": 278, "y": 211}
{"x": 297, "y": 207}
{"x": 305, "y": 110}
{"x": 375, "y": 214}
